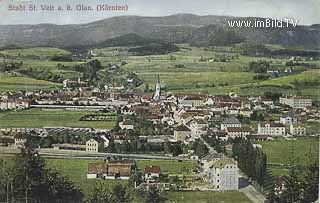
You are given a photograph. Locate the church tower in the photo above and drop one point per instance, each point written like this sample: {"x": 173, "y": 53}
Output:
{"x": 157, "y": 93}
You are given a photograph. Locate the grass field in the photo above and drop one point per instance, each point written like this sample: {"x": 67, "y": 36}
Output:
{"x": 36, "y": 118}
{"x": 9, "y": 82}
{"x": 167, "y": 166}
{"x": 206, "y": 197}
{"x": 280, "y": 151}
{"x": 76, "y": 170}
{"x": 189, "y": 80}
{"x": 41, "y": 52}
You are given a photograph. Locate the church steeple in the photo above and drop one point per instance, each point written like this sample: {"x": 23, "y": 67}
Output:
{"x": 157, "y": 93}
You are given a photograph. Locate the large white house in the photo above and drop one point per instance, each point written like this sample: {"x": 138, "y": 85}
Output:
{"x": 239, "y": 132}
{"x": 272, "y": 129}
{"x": 230, "y": 123}
{"x": 223, "y": 174}
{"x": 298, "y": 130}
{"x": 296, "y": 102}
{"x": 288, "y": 118}
{"x": 92, "y": 145}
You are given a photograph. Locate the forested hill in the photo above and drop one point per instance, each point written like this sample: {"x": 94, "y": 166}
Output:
{"x": 180, "y": 28}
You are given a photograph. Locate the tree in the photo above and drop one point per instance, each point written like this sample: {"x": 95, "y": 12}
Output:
{"x": 100, "y": 194}
{"x": 103, "y": 193}
{"x": 311, "y": 183}
{"x": 29, "y": 180}
{"x": 153, "y": 195}
{"x": 121, "y": 194}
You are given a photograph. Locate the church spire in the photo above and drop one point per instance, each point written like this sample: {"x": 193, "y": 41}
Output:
{"x": 157, "y": 93}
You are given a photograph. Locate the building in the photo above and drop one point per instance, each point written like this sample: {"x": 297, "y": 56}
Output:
{"x": 257, "y": 137}
{"x": 192, "y": 101}
{"x": 297, "y": 130}
{"x": 230, "y": 123}
{"x": 296, "y": 102}
{"x": 223, "y": 174}
{"x": 94, "y": 145}
{"x": 288, "y": 118}
{"x": 19, "y": 140}
{"x": 120, "y": 169}
{"x": 239, "y": 132}
{"x": 181, "y": 133}
{"x": 97, "y": 170}
{"x": 272, "y": 129}
{"x": 126, "y": 125}
{"x": 6, "y": 142}
{"x": 113, "y": 170}
{"x": 208, "y": 160}
{"x": 157, "y": 93}
{"x": 151, "y": 172}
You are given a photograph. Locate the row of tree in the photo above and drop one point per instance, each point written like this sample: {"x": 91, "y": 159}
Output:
{"x": 251, "y": 160}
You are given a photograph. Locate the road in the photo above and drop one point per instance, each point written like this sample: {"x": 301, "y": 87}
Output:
{"x": 48, "y": 152}
{"x": 211, "y": 149}
{"x": 254, "y": 195}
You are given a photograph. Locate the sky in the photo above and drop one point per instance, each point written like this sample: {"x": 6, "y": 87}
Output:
{"x": 305, "y": 11}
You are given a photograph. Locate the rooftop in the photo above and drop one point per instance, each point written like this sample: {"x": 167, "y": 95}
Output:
{"x": 221, "y": 163}
{"x": 231, "y": 120}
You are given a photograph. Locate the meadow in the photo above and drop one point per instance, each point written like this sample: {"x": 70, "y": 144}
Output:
{"x": 42, "y": 52}
{"x": 182, "y": 71}
{"x": 167, "y": 166}
{"x": 300, "y": 152}
{"x": 204, "y": 197}
{"x": 37, "y": 118}
{"x": 10, "y": 82}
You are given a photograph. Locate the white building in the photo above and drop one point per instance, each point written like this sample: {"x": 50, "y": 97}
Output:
{"x": 192, "y": 101}
{"x": 208, "y": 160}
{"x": 151, "y": 172}
{"x": 288, "y": 118}
{"x": 92, "y": 146}
{"x": 223, "y": 174}
{"x": 296, "y": 102}
{"x": 127, "y": 124}
{"x": 19, "y": 140}
{"x": 298, "y": 130}
{"x": 239, "y": 132}
{"x": 230, "y": 123}
{"x": 272, "y": 129}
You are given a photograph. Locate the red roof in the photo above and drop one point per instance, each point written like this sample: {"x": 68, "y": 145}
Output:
{"x": 94, "y": 168}
{"x": 152, "y": 169}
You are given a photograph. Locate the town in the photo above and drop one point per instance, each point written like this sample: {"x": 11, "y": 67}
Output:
{"x": 170, "y": 109}
{"x": 161, "y": 125}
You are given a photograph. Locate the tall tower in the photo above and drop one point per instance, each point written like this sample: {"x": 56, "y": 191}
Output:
{"x": 157, "y": 93}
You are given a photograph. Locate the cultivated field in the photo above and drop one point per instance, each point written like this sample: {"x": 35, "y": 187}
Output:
{"x": 10, "y": 82}
{"x": 36, "y": 118}
{"x": 205, "y": 197}
{"x": 167, "y": 166}
{"x": 42, "y": 52}
{"x": 282, "y": 151}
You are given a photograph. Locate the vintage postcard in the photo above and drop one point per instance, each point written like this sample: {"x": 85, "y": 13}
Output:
{"x": 169, "y": 101}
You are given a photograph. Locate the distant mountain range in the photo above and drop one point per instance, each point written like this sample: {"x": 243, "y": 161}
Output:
{"x": 180, "y": 28}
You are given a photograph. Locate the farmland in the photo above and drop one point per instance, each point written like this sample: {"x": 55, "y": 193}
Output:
{"x": 204, "y": 197}
{"x": 171, "y": 167}
{"x": 281, "y": 151}
{"x": 9, "y": 82}
{"x": 182, "y": 71}
{"x": 76, "y": 170}
{"x": 36, "y": 118}
{"x": 41, "y": 52}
